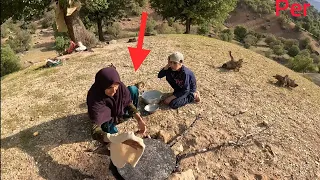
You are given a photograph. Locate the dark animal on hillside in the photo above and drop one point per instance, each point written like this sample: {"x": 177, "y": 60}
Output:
{"x": 132, "y": 40}
{"x": 232, "y": 64}
{"x": 285, "y": 81}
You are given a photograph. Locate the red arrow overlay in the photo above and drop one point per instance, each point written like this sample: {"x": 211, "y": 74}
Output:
{"x": 138, "y": 55}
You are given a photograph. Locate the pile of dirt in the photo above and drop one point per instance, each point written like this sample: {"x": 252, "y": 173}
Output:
{"x": 249, "y": 128}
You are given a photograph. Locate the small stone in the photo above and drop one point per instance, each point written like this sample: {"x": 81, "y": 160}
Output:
{"x": 243, "y": 111}
{"x": 113, "y": 42}
{"x": 192, "y": 112}
{"x": 177, "y": 149}
{"x": 164, "y": 136}
{"x": 265, "y": 123}
{"x": 201, "y": 178}
{"x": 186, "y": 175}
{"x": 36, "y": 133}
{"x": 227, "y": 164}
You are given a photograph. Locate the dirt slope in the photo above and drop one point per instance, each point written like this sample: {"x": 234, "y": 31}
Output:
{"x": 242, "y": 15}
{"x": 283, "y": 124}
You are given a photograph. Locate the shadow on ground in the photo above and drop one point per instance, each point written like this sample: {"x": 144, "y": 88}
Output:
{"x": 65, "y": 130}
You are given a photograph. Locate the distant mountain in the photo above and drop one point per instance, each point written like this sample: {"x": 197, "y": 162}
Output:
{"x": 315, "y": 3}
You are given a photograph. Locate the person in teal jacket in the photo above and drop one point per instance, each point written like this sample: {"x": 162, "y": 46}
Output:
{"x": 134, "y": 93}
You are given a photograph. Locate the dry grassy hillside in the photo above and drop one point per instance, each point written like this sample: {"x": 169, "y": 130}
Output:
{"x": 280, "y": 127}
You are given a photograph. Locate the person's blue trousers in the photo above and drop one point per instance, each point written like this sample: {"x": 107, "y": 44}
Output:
{"x": 182, "y": 101}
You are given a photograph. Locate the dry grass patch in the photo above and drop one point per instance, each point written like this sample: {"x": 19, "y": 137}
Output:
{"x": 234, "y": 104}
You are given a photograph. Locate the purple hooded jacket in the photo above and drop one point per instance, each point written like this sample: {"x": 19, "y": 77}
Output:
{"x": 103, "y": 108}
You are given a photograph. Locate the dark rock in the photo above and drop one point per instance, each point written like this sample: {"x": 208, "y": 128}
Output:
{"x": 157, "y": 163}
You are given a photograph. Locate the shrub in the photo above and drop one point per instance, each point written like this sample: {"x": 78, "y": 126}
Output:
{"x": 297, "y": 28}
{"x": 268, "y": 54}
{"x": 114, "y": 30}
{"x": 305, "y": 42}
{"x": 164, "y": 28}
{"x": 218, "y": 28}
{"x": 32, "y": 27}
{"x": 61, "y": 43}
{"x": 178, "y": 28}
{"x": 282, "y": 20}
{"x": 227, "y": 35}
{"x": 170, "y": 21}
{"x": 150, "y": 27}
{"x": 250, "y": 40}
{"x": 301, "y": 62}
{"x": 89, "y": 39}
{"x": 21, "y": 41}
{"x": 240, "y": 33}
{"x": 256, "y": 34}
{"x": 4, "y": 30}
{"x": 316, "y": 58}
{"x": 293, "y": 51}
{"x": 282, "y": 39}
{"x": 247, "y": 46}
{"x": 203, "y": 29}
{"x": 278, "y": 50}
{"x": 313, "y": 68}
{"x": 275, "y": 43}
{"x": 48, "y": 19}
{"x": 290, "y": 42}
{"x": 305, "y": 52}
{"x": 270, "y": 39}
{"x": 10, "y": 62}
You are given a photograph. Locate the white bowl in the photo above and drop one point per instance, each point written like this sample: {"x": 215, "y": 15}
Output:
{"x": 151, "y": 97}
{"x": 151, "y": 108}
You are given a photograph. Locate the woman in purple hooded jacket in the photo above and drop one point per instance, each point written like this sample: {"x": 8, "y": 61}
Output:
{"x": 108, "y": 99}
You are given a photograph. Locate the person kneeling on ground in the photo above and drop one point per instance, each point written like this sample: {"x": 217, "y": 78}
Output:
{"x": 108, "y": 99}
{"x": 182, "y": 80}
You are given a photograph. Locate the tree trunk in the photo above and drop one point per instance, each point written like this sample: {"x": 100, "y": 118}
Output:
{"x": 100, "y": 32}
{"x": 188, "y": 26}
{"x": 77, "y": 31}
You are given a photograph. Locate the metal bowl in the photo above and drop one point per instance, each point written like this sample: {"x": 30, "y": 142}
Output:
{"x": 151, "y": 97}
{"x": 151, "y": 108}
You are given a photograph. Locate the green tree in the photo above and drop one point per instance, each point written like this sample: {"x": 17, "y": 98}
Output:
{"x": 194, "y": 11}
{"x": 240, "y": 33}
{"x": 278, "y": 50}
{"x": 107, "y": 11}
{"x": 293, "y": 51}
{"x": 302, "y": 62}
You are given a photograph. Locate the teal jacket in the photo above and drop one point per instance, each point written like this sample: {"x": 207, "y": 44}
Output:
{"x": 134, "y": 92}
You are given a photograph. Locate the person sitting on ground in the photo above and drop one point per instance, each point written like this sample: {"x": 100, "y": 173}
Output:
{"x": 182, "y": 80}
{"x": 107, "y": 100}
{"x": 135, "y": 90}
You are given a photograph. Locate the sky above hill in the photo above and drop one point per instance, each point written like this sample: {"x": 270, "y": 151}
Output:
{"x": 315, "y": 3}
